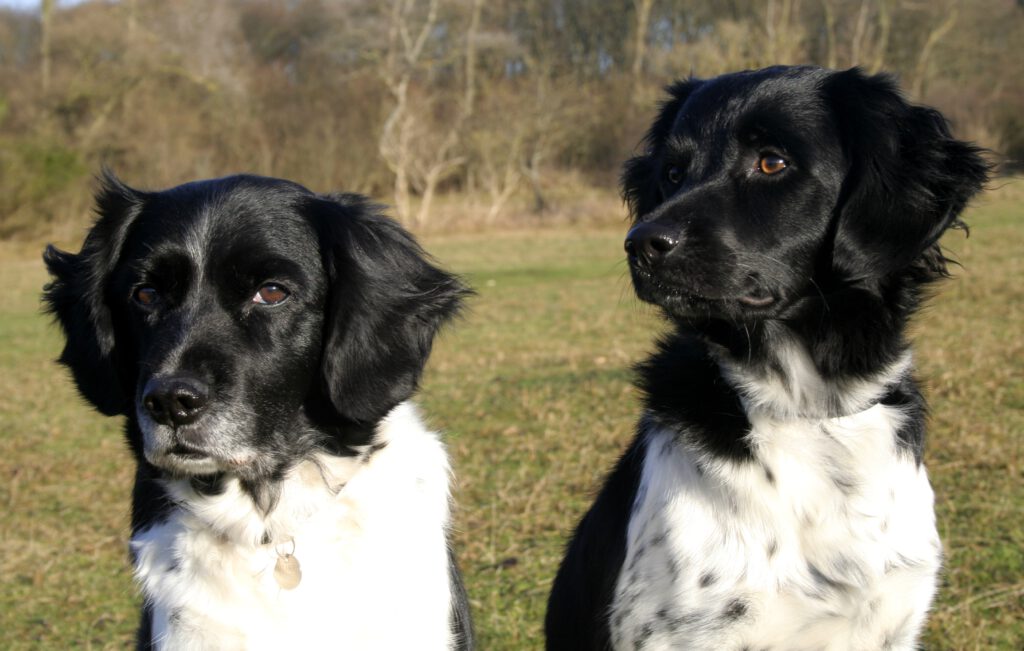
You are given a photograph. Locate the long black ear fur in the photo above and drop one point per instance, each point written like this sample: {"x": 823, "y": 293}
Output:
{"x": 639, "y": 180}
{"x": 76, "y": 296}
{"x": 908, "y": 178}
{"x": 386, "y": 304}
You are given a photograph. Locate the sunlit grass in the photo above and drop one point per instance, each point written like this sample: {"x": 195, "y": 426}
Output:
{"x": 533, "y": 390}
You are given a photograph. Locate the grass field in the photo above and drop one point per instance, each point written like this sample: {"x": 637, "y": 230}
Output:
{"x": 533, "y": 390}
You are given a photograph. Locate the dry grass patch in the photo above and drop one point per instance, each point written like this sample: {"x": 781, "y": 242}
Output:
{"x": 533, "y": 390}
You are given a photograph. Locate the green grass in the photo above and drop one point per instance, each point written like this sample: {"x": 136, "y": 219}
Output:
{"x": 533, "y": 390}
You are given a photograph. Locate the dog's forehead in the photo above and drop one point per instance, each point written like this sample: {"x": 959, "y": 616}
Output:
{"x": 726, "y": 102}
{"x": 212, "y": 219}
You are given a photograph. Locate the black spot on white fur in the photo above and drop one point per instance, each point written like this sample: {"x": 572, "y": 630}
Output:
{"x": 672, "y": 568}
{"x": 736, "y": 609}
{"x": 824, "y": 588}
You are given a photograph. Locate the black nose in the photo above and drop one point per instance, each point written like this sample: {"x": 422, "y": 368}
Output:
{"x": 649, "y": 243}
{"x": 175, "y": 400}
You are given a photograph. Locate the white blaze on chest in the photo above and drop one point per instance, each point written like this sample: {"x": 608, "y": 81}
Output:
{"x": 825, "y": 539}
{"x": 370, "y": 538}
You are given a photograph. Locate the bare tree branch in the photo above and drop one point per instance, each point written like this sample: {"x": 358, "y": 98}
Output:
{"x": 936, "y": 35}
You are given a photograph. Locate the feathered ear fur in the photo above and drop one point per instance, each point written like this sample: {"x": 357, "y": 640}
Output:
{"x": 639, "y": 179}
{"x": 76, "y": 296}
{"x": 386, "y": 303}
{"x": 908, "y": 178}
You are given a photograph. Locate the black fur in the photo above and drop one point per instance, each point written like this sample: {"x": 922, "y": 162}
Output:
{"x": 844, "y": 240}
{"x": 834, "y": 253}
{"x": 582, "y": 591}
{"x": 682, "y": 367}
{"x": 314, "y": 373}
{"x": 462, "y": 624}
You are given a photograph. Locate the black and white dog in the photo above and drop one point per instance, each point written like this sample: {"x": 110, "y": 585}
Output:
{"x": 786, "y": 222}
{"x": 263, "y": 342}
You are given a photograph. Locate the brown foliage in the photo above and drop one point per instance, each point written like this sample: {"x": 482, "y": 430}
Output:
{"x": 501, "y": 106}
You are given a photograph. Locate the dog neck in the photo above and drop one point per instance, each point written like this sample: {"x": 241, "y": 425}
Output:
{"x": 235, "y": 515}
{"x": 786, "y": 383}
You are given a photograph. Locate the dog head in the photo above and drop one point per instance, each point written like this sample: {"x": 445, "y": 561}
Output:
{"x": 240, "y": 323}
{"x": 763, "y": 190}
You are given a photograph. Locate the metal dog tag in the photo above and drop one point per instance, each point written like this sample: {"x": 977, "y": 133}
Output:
{"x": 287, "y": 572}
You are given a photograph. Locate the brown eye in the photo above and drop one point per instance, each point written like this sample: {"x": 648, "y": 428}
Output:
{"x": 674, "y": 175}
{"x": 270, "y": 294}
{"x": 146, "y": 296}
{"x": 772, "y": 164}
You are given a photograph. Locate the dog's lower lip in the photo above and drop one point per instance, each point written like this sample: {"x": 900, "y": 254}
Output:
{"x": 668, "y": 292}
{"x": 185, "y": 452}
{"x": 757, "y": 301}
{"x": 648, "y": 277}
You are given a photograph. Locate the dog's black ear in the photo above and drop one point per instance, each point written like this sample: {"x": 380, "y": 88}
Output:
{"x": 908, "y": 179}
{"x": 76, "y": 296}
{"x": 640, "y": 187}
{"x": 386, "y": 303}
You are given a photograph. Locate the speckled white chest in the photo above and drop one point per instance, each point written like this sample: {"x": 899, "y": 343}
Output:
{"x": 370, "y": 537}
{"x": 825, "y": 540}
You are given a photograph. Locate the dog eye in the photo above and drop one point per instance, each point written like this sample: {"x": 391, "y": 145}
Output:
{"x": 772, "y": 164}
{"x": 146, "y": 296}
{"x": 674, "y": 175}
{"x": 270, "y": 294}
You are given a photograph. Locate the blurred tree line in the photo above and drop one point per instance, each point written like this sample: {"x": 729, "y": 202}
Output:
{"x": 505, "y": 102}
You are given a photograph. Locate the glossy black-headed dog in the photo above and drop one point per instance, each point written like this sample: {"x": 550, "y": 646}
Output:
{"x": 786, "y": 223}
{"x": 262, "y": 342}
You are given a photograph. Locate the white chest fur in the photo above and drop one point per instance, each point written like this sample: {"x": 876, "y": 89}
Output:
{"x": 826, "y": 540}
{"x": 370, "y": 538}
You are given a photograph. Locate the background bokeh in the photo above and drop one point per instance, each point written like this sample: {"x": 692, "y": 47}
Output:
{"x": 513, "y": 108}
